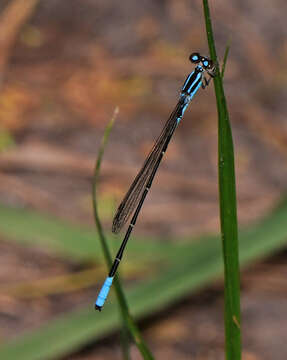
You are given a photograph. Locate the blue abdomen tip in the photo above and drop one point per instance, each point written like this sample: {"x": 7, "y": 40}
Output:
{"x": 104, "y": 293}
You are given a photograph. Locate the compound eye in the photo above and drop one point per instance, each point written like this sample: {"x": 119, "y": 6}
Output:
{"x": 195, "y": 58}
{"x": 210, "y": 65}
{"x": 207, "y": 63}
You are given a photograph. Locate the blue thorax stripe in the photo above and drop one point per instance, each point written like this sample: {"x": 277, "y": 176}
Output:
{"x": 191, "y": 83}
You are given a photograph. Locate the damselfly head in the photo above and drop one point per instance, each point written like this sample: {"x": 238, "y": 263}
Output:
{"x": 203, "y": 61}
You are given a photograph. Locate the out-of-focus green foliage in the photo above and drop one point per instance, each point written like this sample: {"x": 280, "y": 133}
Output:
{"x": 187, "y": 268}
{"x": 6, "y": 140}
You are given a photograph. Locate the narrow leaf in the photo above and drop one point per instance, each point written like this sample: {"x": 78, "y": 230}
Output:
{"x": 228, "y": 210}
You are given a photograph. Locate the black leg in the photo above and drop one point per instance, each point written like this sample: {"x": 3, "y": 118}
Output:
{"x": 205, "y": 82}
{"x": 211, "y": 73}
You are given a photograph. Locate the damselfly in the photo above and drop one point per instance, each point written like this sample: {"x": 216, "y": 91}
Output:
{"x": 136, "y": 194}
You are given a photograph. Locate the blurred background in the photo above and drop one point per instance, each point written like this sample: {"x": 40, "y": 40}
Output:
{"x": 64, "y": 67}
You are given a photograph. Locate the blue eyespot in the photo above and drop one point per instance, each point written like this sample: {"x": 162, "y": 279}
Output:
{"x": 195, "y": 58}
{"x": 205, "y": 63}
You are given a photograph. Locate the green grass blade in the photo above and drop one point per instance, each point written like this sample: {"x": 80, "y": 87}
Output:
{"x": 80, "y": 243}
{"x": 128, "y": 321}
{"x": 226, "y": 53}
{"x": 30, "y": 228}
{"x": 228, "y": 210}
{"x": 102, "y": 238}
{"x": 125, "y": 342}
{"x": 71, "y": 331}
{"x": 124, "y": 330}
